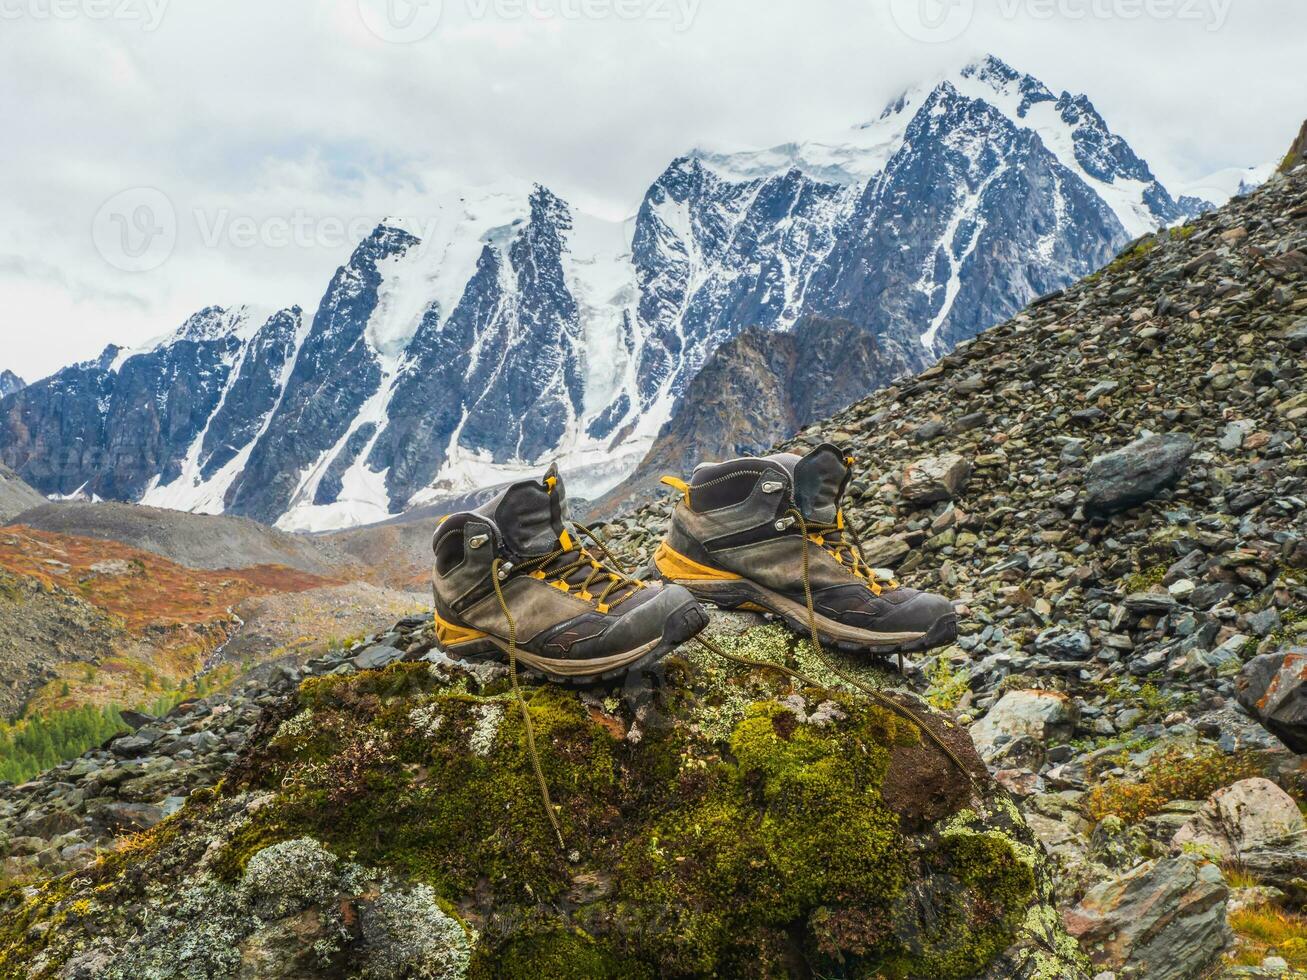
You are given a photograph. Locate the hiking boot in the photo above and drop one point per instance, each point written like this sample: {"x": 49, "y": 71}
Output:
{"x": 767, "y": 534}
{"x": 509, "y": 578}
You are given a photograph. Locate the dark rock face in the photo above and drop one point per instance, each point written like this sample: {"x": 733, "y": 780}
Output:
{"x": 111, "y": 430}
{"x": 1136, "y": 473}
{"x": 758, "y": 388}
{"x": 253, "y": 393}
{"x": 10, "y": 383}
{"x": 335, "y": 373}
{"x": 1273, "y": 689}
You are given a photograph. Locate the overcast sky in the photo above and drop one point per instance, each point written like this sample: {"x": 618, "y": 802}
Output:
{"x": 278, "y": 112}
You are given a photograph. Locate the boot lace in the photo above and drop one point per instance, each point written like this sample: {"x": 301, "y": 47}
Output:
{"x": 573, "y": 567}
{"x": 570, "y": 566}
{"x": 845, "y": 550}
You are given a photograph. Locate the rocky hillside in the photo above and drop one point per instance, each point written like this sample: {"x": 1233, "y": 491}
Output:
{"x": 10, "y": 382}
{"x": 511, "y": 327}
{"x": 91, "y": 628}
{"x": 15, "y": 495}
{"x": 1114, "y": 486}
{"x": 84, "y": 621}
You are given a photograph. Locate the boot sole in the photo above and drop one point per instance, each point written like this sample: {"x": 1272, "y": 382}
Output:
{"x": 741, "y": 594}
{"x": 684, "y": 623}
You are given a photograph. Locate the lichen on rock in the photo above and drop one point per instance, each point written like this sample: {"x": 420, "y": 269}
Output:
{"x": 409, "y": 935}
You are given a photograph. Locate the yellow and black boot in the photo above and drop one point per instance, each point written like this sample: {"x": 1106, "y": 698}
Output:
{"x": 768, "y": 534}
{"x": 510, "y": 579}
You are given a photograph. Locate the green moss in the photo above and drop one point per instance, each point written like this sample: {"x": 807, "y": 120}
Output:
{"x": 989, "y": 863}
{"x": 29, "y": 921}
{"x": 378, "y": 779}
{"x": 561, "y": 954}
{"x": 738, "y": 830}
{"x": 794, "y": 823}
{"x": 1144, "y": 579}
{"x": 946, "y": 685}
{"x": 1182, "y": 232}
{"x": 979, "y": 900}
{"x": 1133, "y": 258}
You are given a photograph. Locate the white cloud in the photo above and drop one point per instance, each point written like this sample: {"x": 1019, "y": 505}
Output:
{"x": 258, "y": 113}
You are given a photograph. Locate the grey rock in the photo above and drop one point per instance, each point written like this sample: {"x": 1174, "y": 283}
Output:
{"x": 1064, "y": 644}
{"x": 1233, "y": 436}
{"x": 376, "y": 657}
{"x": 1136, "y": 473}
{"x": 1039, "y": 715}
{"x": 1264, "y": 621}
{"x": 1273, "y": 689}
{"x": 1145, "y": 603}
{"x": 130, "y": 746}
{"x": 1165, "y": 920}
{"x": 934, "y": 478}
{"x": 1250, "y": 815}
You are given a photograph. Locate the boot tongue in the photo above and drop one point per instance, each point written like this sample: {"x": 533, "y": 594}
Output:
{"x": 819, "y": 481}
{"x": 530, "y": 516}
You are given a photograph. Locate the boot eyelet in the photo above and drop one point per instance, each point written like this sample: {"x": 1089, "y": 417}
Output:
{"x": 504, "y": 569}
{"x": 478, "y": 540}
{"x": 773, "y": 486}
{"x": 784, "y": 523}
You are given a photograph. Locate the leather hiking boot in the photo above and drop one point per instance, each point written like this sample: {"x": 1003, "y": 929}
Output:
{"x": 767, "y": 534}
{"x": 509, "y": 578}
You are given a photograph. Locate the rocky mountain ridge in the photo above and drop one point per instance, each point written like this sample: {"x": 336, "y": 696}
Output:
{"x": 511, "y": 327}
{"x": 10, "y": 382}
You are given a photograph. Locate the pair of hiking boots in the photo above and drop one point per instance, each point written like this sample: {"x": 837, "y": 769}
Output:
{"x": 764, "y": 534}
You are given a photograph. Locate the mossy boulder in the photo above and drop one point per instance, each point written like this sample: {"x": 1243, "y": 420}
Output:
{"x": 717, "y": 820}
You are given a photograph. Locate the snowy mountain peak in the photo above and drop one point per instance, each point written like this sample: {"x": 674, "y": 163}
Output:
{"x": 216, "y": 323}
{"x": 10, "y": 383}
{"x": 1006, "y": 81}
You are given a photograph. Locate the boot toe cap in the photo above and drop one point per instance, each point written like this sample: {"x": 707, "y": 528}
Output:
{"x": 918, "y": 612}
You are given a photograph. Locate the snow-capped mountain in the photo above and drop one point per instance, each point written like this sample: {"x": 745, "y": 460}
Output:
{"x": 1217, "y": 188}
{"x": 10, "y": 382}
{"x": 512, "y": 328}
